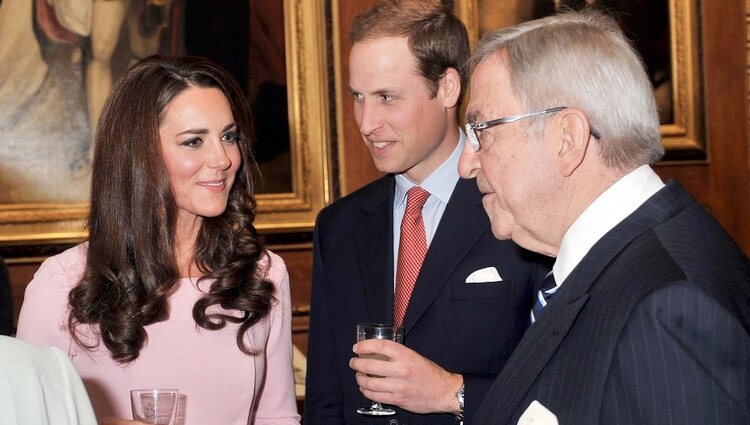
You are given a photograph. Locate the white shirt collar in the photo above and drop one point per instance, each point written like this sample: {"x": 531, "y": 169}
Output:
{"x": 607, "y": 211}
{"x": 439, "y": 183}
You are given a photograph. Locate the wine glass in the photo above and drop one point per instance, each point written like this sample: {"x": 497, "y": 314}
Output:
{"x": 378, "y": 331}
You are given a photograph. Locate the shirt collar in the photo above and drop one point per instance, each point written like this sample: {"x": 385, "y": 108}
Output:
{"x": 607, "y": 211}
{"x": 439, "y": 183}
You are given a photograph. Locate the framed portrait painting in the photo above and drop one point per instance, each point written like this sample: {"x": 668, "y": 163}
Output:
{"x": 58, "y": 59}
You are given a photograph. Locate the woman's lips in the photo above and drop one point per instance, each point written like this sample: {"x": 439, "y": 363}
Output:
{"x": 215, "y": 185}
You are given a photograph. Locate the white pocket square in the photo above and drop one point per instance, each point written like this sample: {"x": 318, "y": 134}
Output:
{"x": 485, "y": 275}
{"x": 536, "y": 414}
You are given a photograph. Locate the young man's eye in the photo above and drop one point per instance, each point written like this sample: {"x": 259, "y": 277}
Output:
{"x": 388, "y": 98}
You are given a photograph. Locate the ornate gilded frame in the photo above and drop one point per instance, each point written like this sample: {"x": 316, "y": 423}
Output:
{"x": 684, "y": 137}
{"x": 307, "y": 92}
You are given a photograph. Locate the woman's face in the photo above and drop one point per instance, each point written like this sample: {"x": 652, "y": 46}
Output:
{"x": 199, "y": 141}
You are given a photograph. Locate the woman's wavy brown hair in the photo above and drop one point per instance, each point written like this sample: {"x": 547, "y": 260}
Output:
{"x": 131, "y": 267}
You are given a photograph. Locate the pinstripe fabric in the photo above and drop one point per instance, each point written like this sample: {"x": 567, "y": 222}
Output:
{"x": 411, "y": 251}
{"x": 650, "y": 328}
{"x": 692, "y": 363}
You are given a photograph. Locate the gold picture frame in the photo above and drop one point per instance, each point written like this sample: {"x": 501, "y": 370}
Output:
{"x": 307, "y": 96}
{"x": 683, "y": 136}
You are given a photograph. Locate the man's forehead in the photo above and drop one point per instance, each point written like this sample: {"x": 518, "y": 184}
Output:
{"x": 383, "y": 59}
{"x": 495, "y": 64}
{"x": 384, "y": 49}
{"x": 490, "y": 89}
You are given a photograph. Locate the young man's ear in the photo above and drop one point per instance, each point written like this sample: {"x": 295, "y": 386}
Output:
{"x": 575, "y": 136}
{"x": 449, "y": 87}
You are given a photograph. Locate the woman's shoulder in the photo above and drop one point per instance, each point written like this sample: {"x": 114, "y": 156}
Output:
{"x": 273, "y": 268}
{"x": 68, "y": 264}
{"x": 43, "y": 315}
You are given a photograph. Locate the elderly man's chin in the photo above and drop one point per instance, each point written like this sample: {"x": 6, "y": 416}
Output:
{"x": 501, "y": 220}
{"x": 526, "y": 240}
{"x": 504, "y": 227}
{"x": 502, "y": 230}
{"x": 502, "y": 223}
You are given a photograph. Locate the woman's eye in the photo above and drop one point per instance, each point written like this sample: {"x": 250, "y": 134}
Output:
{"x": 231, "y": 137}
{"x": 192, "y": 143}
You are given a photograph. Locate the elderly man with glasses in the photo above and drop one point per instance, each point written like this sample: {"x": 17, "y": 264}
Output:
{"x": 645, "y": 316}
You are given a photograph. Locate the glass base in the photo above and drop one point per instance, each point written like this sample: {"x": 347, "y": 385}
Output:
{"x": 369, "y": 411}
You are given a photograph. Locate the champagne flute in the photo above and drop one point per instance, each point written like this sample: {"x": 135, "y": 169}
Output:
{"x": 378, "y": 331}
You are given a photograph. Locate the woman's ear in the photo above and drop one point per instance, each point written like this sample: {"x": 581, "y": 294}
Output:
{"x": 450, "y": 87}
{"x": 575, "y": 136}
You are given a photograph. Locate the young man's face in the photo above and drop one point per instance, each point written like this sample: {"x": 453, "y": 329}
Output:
{"x": 405, "y": 129}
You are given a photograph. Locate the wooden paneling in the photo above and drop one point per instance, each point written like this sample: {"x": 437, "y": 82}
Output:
{"x": 299, "y": 263}
{"x": 355, "y": 164}
{"x": 721, "y": 183}
{"x": 20, "y": 273}
{"x": 725, "y": 65}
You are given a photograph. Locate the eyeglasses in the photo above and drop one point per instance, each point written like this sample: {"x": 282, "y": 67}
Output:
{"x": 471, "y": 129}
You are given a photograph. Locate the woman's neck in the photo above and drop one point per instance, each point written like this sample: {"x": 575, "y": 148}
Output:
{"x": 186, "y": 236}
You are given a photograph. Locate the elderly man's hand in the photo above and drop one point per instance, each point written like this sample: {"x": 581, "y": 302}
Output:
{"x": 408, "y": 380}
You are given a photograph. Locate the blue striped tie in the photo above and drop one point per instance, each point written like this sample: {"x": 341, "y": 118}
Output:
{"x": 545, "y": 292}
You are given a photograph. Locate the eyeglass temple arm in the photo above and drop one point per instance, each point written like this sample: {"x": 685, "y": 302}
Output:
{"x": 514, "y": 118}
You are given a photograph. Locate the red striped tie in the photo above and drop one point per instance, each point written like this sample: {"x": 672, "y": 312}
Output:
{"x": 411, "y": 251}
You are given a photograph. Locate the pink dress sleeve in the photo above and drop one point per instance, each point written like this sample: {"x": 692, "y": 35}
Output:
{"x": 276, "y": 403}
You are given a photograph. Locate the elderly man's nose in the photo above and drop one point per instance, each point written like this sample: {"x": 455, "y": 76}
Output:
{"x": 468, "y": 163}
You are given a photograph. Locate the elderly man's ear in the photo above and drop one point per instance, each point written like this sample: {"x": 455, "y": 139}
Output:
{"x": 574, "y": 141}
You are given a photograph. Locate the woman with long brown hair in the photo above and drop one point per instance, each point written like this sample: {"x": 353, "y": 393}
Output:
{"x": 173, "y": 288}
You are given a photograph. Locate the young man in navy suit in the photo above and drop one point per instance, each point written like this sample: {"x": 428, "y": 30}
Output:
{"x": 645, "y": 318}
{"x": 469, "y": 304}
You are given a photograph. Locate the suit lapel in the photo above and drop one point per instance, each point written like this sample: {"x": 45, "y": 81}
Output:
{"x": 462, "y": 223}
{"x": 543, "y": 338}
{"x": 374, "y": 250}
{"x": 533, "y": 352}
